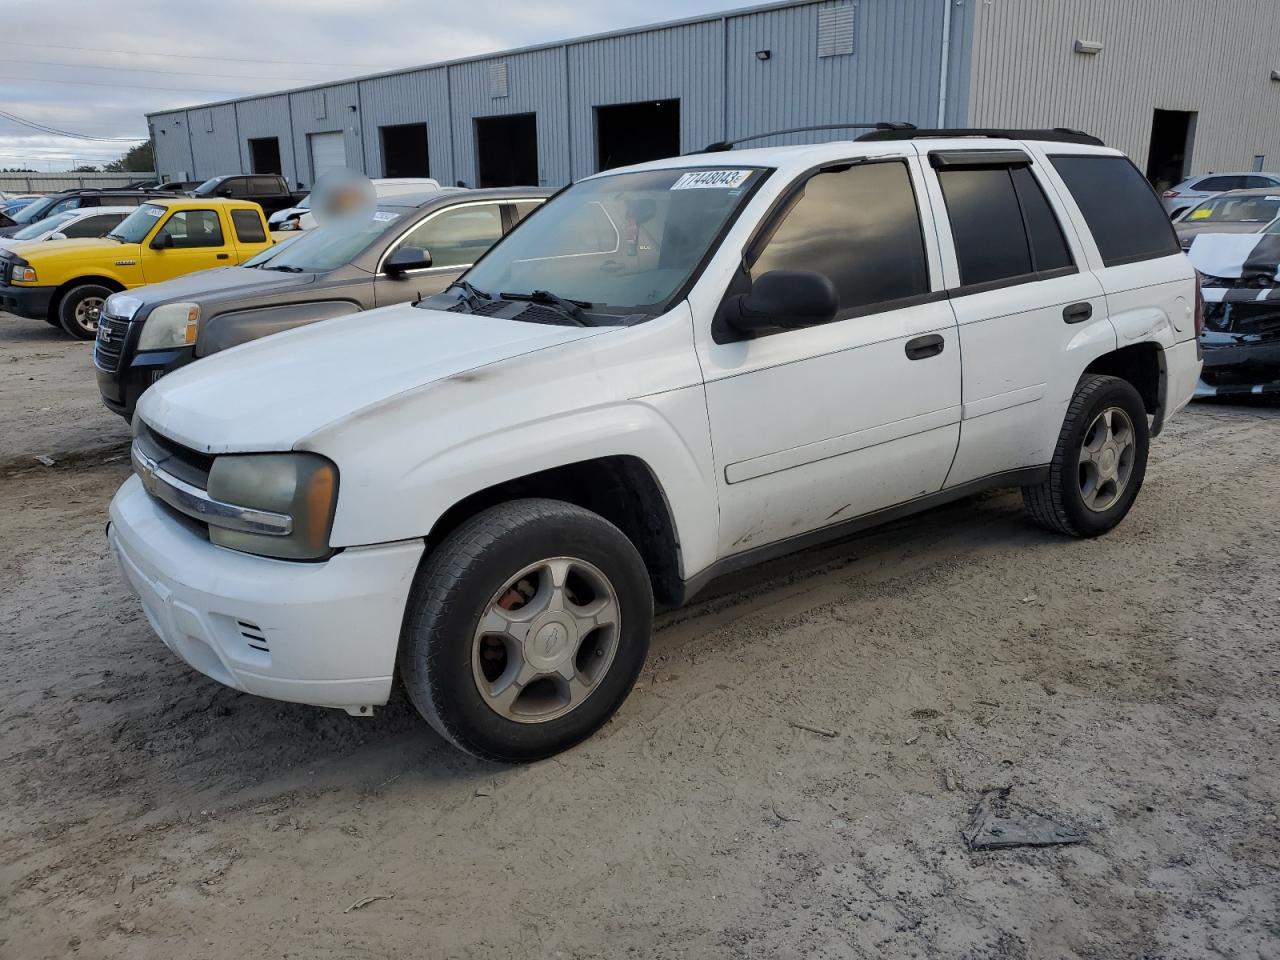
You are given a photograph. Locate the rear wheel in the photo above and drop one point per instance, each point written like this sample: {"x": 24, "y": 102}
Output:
{"x": 526, "y": 629}
{"x": 1099, "y": 463}
{"x": 79, "y": 309}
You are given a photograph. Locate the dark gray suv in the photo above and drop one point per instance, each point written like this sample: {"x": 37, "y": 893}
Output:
{"x": 412, "y": 247}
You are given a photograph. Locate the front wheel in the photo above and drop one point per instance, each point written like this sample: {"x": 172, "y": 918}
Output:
{"x": 526, "y": 629}
{"x": 79, "y": 309}
{"x": 1099, "y": 462}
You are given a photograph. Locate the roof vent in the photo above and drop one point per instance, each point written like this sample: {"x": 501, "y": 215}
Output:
{"x": 498, "y": 79}
{"x": 835, "y": 30}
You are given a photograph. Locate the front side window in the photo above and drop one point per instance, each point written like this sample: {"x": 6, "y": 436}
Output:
{"x": 1002, "y": 224}
{"x": 457, "y": 237}
{"x": 1122, "y": 211}
{"x": 626, "y": 243}
{"x": 70, "y": 203}
{"x": 194, "y": 228}
{"x": 861, "y": 228}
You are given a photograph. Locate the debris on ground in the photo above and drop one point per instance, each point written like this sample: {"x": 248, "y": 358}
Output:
{"x": 925, "y": 713}
{"x": 365, "y": 901}
{"x": 46, "y": 461}
{"x": 820, "y": 731}
{"x": 997, "y": 824}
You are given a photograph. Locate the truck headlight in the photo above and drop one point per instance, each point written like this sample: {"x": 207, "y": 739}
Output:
{"x": 121, "y": 306}
{"x": 23, "y": 274}
{"x": 302, "y": 486}
{"x": 169, "y": 326}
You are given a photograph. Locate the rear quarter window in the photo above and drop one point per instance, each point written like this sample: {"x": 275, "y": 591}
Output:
{"x": 248, "y": 226}
{"x": 1122, "y": 211}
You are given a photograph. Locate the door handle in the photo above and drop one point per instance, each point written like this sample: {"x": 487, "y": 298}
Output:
{"x": 224, "y": 256}
{"x": 921, "y": 348}
{"x": 1077, "y": 312}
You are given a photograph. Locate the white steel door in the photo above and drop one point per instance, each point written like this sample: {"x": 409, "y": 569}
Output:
{"x": 328, "y": 152}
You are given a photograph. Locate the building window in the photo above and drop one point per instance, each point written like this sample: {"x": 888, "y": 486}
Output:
{"x": 498, "y": 79}
{"x": 835, "y": 31}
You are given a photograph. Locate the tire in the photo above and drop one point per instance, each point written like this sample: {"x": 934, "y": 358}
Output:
{"x": 53, "y": 320}
{"x": 496, "y": 567}
{"x": 1075, "y": 499}
{"x": 79, "y": 307}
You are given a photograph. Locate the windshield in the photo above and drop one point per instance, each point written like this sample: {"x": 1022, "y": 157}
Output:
{"x": 329, "y": 247}
{"x": 35, "y": 210}
{"x": 271, "y": 252}
{"x": 47, "y": 225}
{"x": 1255, "y": 209}
{"x": 623, "y": 243}
{"x": 207, "y": 187}
{"x": 135, "y": 227}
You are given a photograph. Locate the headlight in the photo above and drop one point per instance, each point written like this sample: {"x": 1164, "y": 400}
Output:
{"x": 121, "y": 306}
{"x": 287, "y": 225}
{"x": 23, "y": 273}
{"x": 301, "y": 486}
{"x": 169, "y": 326}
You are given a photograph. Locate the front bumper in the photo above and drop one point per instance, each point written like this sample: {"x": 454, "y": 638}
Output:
{"x": 30, "y": 302}
{"x": 121, "y": 388}
{"x": 317, "y": 633}
{"x": 1239, "y": 364}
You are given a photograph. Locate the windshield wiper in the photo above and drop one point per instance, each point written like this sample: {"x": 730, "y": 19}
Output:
{"x": 283, "y": 268}
{"x": 470, "y": 295}
{"x": 571, "y": 310}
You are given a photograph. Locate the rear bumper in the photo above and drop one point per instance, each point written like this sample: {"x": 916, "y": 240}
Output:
{"x": 317, "y": 633}
{"x": 30, "y": 302}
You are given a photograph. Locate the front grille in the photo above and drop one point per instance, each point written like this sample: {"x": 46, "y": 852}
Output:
{"x": 109, "y": 345}
{"x": 189, "y": 466}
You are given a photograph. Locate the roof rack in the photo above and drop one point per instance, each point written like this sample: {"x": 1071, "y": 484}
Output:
{"x": 1056, "y": 135}
{"x": 891, "y": 126}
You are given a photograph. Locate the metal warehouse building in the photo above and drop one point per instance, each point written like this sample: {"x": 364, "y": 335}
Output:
{"x": 1183, "y": 86}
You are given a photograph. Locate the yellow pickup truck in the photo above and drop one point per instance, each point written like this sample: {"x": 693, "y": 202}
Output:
{"x": 66, "y": 281}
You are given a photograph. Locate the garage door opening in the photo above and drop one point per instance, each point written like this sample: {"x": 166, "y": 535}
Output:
{"x": 1169, "y": 158}
{"x": 328, "y": 152}
{"x": 404, "y": 150}
{"x": 264, "y": 155}
{"x": 507, "y": 150}
{"x": 636, "y": 132}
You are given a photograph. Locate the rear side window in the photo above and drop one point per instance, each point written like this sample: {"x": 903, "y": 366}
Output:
{"x": 1003, "y": 227}
{"x": 526, "y": 207}
{"x": 861, "y": 228}
{"x": 248, "y": 226}
{"x": 1122, "y": 210}
{"x": 263, "y": 186}
{"x": 1217, "y": 184}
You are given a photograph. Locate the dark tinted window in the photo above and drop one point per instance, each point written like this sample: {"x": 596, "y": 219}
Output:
{"x": 93, "y": 226}
{"x": 861, "y": 228}
{"x": 264, "y": 186}
{"x": 1122, "y": 210}
{"x": 986, "y": 224}
{"x": 248, "y": 226}
{"x": 1048, "y": 246}
{"x": 1215, "y": 184}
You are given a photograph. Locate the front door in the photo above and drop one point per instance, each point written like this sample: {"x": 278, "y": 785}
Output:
{"x": 812, "y": 427}
{"x": 198, "y": 242}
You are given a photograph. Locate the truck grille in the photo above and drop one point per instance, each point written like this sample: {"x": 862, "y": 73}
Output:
{"x": 110, "y": 343}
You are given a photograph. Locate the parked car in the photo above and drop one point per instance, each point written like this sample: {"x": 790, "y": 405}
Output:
{"x": 74, "y": 200}
{"x": 1236, "y": 211}
{"x": 179, "y": 186}
{"x": 1240, "y": 280}
{"x": 1191, "y": 191}
{"x": 414, "y": 246}
{"x": 269, "y": 191}
{"x": 86, "y": 222}
{"x": 13, "y": 204}
{"x": 66, "y": 283}
{"x": 668, "y": 372}
{"x": 300, "y": 217}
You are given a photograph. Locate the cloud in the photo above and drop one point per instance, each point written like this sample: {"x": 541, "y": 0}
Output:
{"x": 107, "y": 90}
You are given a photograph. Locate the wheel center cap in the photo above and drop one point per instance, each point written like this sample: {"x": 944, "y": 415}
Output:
{"x": 548, "y": 645}
{"x": 1107, "y": 461}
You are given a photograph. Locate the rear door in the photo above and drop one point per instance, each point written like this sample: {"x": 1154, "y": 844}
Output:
{"x": 1031, "y": 314}
{"x": 454, "y": 238}
{"x": 199, "y": 243}
{"x": 815, "y": 426}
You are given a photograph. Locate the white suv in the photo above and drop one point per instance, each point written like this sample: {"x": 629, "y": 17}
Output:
{"x": 667, "y": 372}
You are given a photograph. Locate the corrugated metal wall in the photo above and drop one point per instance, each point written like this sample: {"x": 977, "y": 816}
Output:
{"x": 1213, "y": 57}
{"x": 418, "y": 97}
{"x": 684, "y": 63}
{"x": 214, "y": 140}
{"x": 265, "y": 117}
{"x": 172, "y": 144}
{"x": 710, "y": 65}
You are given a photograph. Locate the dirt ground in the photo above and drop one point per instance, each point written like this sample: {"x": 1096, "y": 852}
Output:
{"x": 1128, "y": 686}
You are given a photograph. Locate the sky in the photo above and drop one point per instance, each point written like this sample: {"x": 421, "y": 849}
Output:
{"x": 139, "y": 56}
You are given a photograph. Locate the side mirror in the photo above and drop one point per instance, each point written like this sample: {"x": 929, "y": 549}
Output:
{"x": 224, "y": 192}
{"x": 163, "y": 241}
{"x": 788, "y": 299}
{"x": 406, "y": 259}
{"x": 58, "y": 236}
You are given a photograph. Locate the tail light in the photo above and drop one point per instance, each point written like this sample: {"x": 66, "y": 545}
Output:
{"x": 1199, "y": 306}
{"x": 1169, "y": 194}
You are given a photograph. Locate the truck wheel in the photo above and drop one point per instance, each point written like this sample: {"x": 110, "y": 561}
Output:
{"x": 79, "y": 308}
{"x": 1099, "y": 462}
{"x": 526, "y": 629}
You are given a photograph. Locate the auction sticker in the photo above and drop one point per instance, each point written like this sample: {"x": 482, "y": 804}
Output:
{"x": 383, "y": 216}
{"x": 712, "y": 180}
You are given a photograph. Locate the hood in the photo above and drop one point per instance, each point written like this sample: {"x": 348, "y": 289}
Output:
{"x": 271, "y": 393}
{"x": 219, "y": 284}
{"x": 1187, "y": 230}
{"x": 1235, "y": 256}
{"x": 73, "y": 250}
